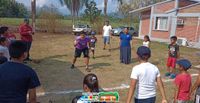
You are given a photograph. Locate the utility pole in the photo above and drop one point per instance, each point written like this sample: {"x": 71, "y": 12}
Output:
{"x": 33, "y": 9}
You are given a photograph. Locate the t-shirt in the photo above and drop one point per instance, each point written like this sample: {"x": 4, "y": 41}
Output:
{"x": 107, "y": 30}
{"x": 125, "y": 40}
{"x": 146, "y": 43}
{"x": 15, "y": 81}
{"x": 93, "y": 41}
{"x": 4, "y": 50}
{"x": 24, "y": 32}
{"x": 82, "y": 43}
{"x": 146, "y": 74}
{"x": 183, "y": 81}
{"x": 173, "y": 50}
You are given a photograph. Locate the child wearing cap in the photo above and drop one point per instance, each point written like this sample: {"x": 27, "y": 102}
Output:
{"x": 143, "y": 78}
{"x": 173, "y": 54}
{"x": 182, "y": 82}
{"x": 196, "y": 87}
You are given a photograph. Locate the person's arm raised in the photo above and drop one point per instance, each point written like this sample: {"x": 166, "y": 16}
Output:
{"x": 162, "y": 90}
{"x": 131, "y": 90}
{"x": 32, "y": 96}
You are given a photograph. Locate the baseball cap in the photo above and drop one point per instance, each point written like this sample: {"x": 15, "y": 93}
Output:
{"x": 186, "y": 64}
{"x": 143, "y": 50}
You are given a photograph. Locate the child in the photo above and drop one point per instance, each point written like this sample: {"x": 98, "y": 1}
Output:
{"x": 146, "y": 41}
{"x": 90, "y": 85}
{"x": 183, "y": 82}
{"x": 3, "y": 48}
{"x": 17, "y": 80}
{"x": 196, "y": 87}
{"x": 143, "y": 78}
{"x": 173, "y": 54}
{"x": 6, "y": 33}
{"x": 93, "y": 41}
{"x": 81, "y": 46}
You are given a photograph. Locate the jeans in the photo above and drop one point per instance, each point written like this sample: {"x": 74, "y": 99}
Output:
{"x": 148, "y": 100}
{"x": 106, "y": 39}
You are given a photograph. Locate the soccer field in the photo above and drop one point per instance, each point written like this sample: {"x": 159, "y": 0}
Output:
{"x": 53, "y": 53}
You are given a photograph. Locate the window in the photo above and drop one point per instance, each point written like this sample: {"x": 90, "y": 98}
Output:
{"x": 161, "y": 23}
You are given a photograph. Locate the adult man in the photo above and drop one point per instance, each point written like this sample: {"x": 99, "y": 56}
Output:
{"x": 106, "y": 34}
{"x": 26, "y": 33}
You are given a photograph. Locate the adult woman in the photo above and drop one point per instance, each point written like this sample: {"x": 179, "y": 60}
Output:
{"x": 125, "y": 47}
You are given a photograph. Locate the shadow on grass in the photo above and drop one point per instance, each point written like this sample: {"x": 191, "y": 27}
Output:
{"x": 134, "y": 60}
{"x": 99, "y": 65}
{"x": 102, "y": 56}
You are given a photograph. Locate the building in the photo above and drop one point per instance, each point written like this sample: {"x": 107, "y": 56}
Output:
{"x": 168, "y": 18}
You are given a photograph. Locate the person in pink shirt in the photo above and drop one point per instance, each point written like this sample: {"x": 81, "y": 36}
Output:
{"x": 183, "y": 82}
{"x": 26, "y": 33}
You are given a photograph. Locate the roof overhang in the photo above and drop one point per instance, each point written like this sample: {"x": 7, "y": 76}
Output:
{"x": 147, "y": 7}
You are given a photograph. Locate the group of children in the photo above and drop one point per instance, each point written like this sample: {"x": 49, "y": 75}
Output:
{"x": 6, "y": 38}
{"x": 144, "y": 76}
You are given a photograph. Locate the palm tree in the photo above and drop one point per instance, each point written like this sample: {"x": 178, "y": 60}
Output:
{"x": 74, "y": 6}
{"x": 105, "y": 8}
{"x": 33, "y": 9}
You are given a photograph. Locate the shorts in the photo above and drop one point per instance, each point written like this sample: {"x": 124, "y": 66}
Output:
{"x": 171, "y": 62}
{"x": 78, "y": 53}
{"x": 106, "y": 39}
{"x": 92, "y": 48}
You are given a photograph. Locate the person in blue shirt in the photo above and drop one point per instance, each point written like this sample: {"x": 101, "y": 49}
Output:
{"x": 125, "y": 47}
{"x": 16, "y": 79}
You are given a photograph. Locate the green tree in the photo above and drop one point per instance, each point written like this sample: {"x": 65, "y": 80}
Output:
{"x": 74, "y": 6}
{"x": 92, "y": 12}
{"x": 11, "y": 8}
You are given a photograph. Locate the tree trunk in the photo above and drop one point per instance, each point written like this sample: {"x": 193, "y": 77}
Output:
{"x": 33, "y": 9}
{"x": 105, "y": 9}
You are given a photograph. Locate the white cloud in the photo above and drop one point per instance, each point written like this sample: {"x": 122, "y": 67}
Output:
{"x": 41, "y": 3}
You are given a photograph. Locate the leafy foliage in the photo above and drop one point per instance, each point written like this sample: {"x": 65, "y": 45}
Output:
{"x": 11, "y": 8}
{"x": 92, "y": 12}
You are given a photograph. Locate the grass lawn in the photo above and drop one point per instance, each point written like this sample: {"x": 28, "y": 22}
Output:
{"x": 53, "y": 54}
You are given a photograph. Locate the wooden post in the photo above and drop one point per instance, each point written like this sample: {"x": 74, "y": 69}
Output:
{"x": 33, "y": 9}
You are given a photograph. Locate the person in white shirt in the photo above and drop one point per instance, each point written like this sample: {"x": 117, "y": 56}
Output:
{"x": 146, "y": 41}
{"x": 3, "y": 48}
{"x": 143, "y": 79}
{"x": 106, "y": 34}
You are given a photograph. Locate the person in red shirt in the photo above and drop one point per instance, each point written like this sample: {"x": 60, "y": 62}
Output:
{"x": 26, "y": 33}
{"x": 183, "y": 82}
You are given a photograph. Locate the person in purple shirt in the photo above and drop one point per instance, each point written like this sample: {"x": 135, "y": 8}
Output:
{"x": 81, "y": 46}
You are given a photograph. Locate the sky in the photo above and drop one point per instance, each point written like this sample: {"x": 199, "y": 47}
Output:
{"x": 113, "y": 5}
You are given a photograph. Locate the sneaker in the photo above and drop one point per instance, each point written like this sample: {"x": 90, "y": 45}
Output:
{"x": 172, "y": 76}
{"x": 72, "y": 67}
{"x": 167, "y": 74}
